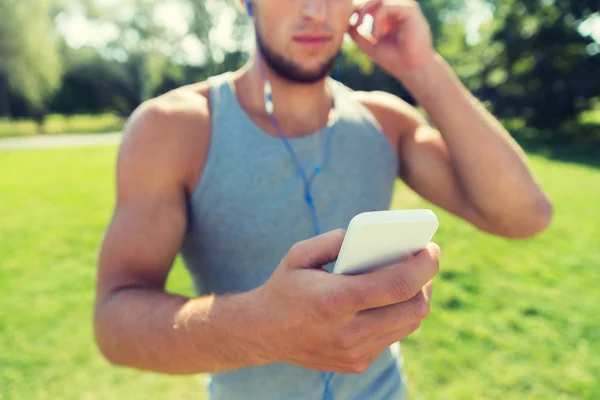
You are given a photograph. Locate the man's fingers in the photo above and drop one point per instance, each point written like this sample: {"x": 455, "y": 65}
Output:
{"x": 375, "y": 8}
{"x": 382, "y": 23}
{"x": 361, "y": 41}
{"x": 365, "y": 7}
{"x": 394, "y": 285}
{"x": 315, "y": 252}
{"x": 375, "y": 346}
{"x": 429, "y": 289}
{"x": 378, "y": 321}
{"x": 392, "y": 337}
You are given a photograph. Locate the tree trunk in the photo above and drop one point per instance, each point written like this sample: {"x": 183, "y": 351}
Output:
{"x": 142, "y": 75}
{"x": 4, "y": 100}
{"x": 40, "y": 119}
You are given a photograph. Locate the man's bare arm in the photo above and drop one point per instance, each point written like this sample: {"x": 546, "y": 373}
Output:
{"x": 137, "y": 323}
{"x": 470, "y": 166}
{"x": 487, "y": 164}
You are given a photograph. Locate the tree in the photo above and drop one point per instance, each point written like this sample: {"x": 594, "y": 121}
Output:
{"x": 538, "y": 66}
{"x": 144, "y": 42}
{"x": 30, "y": 65}
{"x": 93, "y": 84}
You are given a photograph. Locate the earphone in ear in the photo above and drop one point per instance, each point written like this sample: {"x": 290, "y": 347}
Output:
{"x": 248, "y": 7}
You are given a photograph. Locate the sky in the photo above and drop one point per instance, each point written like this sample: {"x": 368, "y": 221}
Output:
{"x": 78, "y": 31}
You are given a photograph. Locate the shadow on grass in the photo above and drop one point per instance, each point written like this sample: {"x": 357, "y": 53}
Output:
{"x": 576, "y": 144}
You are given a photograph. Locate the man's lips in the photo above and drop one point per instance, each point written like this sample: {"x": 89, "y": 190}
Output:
{"x": 312, "y": 40}
{"x": 312, "y": 37}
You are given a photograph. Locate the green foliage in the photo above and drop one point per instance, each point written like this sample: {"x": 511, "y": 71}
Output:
{"x": 533, "y": 66}
{"x": 30, "y": 66}
{"x": 93, "y": 84}
{"x": 440, "y": 12}
{"x": 142, "y": 41}
{"x": 541, "y": 67}
{"x": 201, "y": 22}
{"x": 509, "y": 320}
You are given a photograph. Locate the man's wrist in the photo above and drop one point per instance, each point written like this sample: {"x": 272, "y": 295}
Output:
{"x": 425, "y": 82}
{"x": 228, "y": 329}
{"x": 257, "y": 349}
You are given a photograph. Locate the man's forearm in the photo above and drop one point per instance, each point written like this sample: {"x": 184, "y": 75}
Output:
{"x": 489, "y": 164}
{"x": 152, "y": 330}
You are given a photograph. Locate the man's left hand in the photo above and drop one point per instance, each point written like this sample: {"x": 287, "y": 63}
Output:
{"x": 401, "y": 37}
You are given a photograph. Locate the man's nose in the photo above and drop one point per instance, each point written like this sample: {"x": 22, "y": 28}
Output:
{"x": 315, "y": 10}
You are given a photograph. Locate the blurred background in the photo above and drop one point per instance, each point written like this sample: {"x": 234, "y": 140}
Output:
{"x": 510, "y": 319}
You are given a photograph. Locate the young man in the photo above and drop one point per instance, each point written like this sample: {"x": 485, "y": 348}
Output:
{"x": 204, "y": 171}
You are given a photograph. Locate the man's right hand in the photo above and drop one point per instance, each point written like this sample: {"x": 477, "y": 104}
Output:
{"x": 339, "y": 323}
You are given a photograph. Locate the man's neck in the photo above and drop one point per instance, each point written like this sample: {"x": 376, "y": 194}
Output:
{"x": 293, "y": 102}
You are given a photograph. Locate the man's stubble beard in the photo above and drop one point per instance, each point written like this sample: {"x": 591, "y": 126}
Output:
{"x": 287, "y": 69}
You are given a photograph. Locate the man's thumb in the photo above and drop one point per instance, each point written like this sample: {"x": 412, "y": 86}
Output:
{"x": 315, "y": 252}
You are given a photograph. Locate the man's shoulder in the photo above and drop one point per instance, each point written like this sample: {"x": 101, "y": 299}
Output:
{"x": 175, "y": 108}
{"x": 172, "y": 130}
{"x": 395, "y": 115}
{"x": 182, "y": 113}
{"x": 386, "y": 105}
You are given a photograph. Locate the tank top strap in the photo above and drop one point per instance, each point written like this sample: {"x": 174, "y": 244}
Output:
{"x": 346, "y": 105}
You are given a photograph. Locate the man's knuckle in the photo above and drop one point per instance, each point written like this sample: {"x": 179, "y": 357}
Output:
{"x": 340, "y": 342}
{"x": 356, "y": 299}
{"x": 359, "y": 367}
{"x": 401, "y": 287}
{"x": 413, "y": 327}
{"x": 296, "y": 251}
{"x": 345, "y": 341}
{"x": 354, "y": 356}
{"x": 349, "y": 338}
{"x": 407, "y": 331}
{"x": 421, "y": 308}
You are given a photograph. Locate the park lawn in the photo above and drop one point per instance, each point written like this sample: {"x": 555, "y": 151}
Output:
{"x": 509, "y": 320}
{"x": 60, "y": 124}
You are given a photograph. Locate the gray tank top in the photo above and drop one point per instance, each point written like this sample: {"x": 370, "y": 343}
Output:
{"x": 248, "y": 209}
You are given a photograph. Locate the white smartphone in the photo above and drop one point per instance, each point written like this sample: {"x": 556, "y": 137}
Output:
{"x": 381, "y": 239}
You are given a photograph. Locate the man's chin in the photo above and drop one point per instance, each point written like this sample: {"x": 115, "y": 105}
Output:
{"x": 307, "y": 77}
{"x": 296, "y": 72}
{"x": 301, "y": 74}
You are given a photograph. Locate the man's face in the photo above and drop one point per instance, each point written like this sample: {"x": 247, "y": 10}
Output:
{"x": 300, "y": 39}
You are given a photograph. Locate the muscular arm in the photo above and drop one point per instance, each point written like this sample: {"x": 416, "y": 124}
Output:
{"x": 138, "y": 324}
{"x": 470, "y": 166}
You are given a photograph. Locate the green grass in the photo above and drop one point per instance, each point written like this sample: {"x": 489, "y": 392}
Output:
{"x": 516, "y": 320}
{"x": 510, "y": 320}
{"x": 60, "y": 124}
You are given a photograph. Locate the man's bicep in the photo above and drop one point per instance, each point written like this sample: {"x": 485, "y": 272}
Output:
{"x": 425, "y": 166}
{"x": 141, "y": 244}
{"x": 149, "y": 221}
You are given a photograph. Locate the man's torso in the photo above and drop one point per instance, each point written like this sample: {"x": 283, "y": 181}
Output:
{"x": 246, "y": 208}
